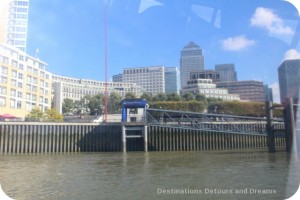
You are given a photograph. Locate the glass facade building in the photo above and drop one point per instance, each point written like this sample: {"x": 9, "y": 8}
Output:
{"x": 227, "y": 72}
{"x": 14, "y": 22}
{"x": 289, "y": 79}
{"x": 171, "y": 80}
{"x": 191, "y": 60}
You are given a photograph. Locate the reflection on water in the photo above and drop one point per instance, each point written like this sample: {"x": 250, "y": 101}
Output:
{"x": 152, "y": 175}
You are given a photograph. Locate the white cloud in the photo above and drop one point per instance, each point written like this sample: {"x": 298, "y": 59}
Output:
{"x": 266, "y": 18}
{"x": 292, "y": 54}
{"x": 276, "y": 92}
{"x": 237, "y": 43}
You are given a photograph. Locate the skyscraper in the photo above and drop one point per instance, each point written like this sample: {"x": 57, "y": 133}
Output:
{"x": 289, "y": 79}
{"x": 191, "y": 60}
{"x": 13, "y": 22}
{"x": 227, "y": 72}
{"x": 171, "y": 80}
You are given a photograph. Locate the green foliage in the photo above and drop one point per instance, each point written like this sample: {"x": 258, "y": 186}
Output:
{"x": 53, "y": 116}
{"x": 147, "y": 96}
{"x": 160, "y": 97}
{"x": 49, "y": 115}
{"x": 67, "y": 105}
{"x": 114, "y": 102}
{"x": 130, "y": 95}
{"x": 187, "y": 96}
{"x": 193, "y": 106}
{"x": 173, "y": 97}
{"x": 96, "y": 104}
{"x": 254, "y": 109}
{"x": 36, "y": 114}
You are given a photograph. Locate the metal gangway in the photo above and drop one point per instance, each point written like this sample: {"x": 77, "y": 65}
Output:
{"x": 212, "y": 122}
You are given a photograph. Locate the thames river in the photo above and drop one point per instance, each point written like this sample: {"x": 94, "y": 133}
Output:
{"x": 152, "y": 175}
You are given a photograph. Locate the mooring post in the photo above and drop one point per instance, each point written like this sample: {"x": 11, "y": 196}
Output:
{"x": 145, "y": 139}
{"x": 270, "y": 132}
{"x": 289, "y": 122}
{"x": 123, "y": 138}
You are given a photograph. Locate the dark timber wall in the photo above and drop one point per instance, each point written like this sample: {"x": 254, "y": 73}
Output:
{"x": 58, "y": 137}
{"x": 71, "y": 137}
{"x": 175, "y": 139}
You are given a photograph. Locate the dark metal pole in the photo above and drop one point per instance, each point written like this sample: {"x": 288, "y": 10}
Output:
{"x": 270, "y": 132}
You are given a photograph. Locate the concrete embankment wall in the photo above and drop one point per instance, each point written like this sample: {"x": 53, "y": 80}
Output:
{"x": 31, "y": 137}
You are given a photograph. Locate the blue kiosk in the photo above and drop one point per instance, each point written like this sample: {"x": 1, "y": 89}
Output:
{"x": 132, "y": 103}
{"x": 139, "y": 129}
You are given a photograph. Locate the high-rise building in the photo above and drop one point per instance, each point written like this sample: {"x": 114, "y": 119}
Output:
{"x": 152, "y": 79}
{"x": 191, "y": 60}
{"x": 13, "y": 22}
{"x": 171, "y": 80}
{"x": 206, "y": 74}
{"x": 117, "y": 78}
{"x": 227, "y": 72}
{"x": 24, "y": 82}
{"x": 289, "y": 79}
{"x": 248, "y": 90}
{"x": 268, "y": 93}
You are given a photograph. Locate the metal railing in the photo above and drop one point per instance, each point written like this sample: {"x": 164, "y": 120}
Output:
{"x": 210, "y": 122}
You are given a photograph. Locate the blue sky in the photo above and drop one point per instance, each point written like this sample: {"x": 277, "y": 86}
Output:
{"x": 255, "y": 35}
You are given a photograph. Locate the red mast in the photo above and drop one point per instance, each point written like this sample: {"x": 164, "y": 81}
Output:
{"x": 105, "y": 62}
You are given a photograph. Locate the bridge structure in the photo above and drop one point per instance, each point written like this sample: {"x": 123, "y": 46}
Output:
{"x": 166, "y": 130}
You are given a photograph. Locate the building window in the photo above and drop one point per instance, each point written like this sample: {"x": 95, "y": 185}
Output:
{"x": 20, "y": 85}
{"x": 3, "y": 70}
{"x": 12, "y": 103}
{"x": 20, "y": 76}
{"x": 19, "y": 94}
{"x": 2, "y": 102}
{"x": 3, "y": 90}
{"x": 13, "y": 93}
{"x": 19, "y": 104}
{"x": 3, "y": 79}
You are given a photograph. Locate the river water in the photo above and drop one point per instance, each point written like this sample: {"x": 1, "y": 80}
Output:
{"x": 150, "y": 175}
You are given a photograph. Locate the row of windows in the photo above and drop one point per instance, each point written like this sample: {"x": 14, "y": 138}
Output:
{"x": 18, "y": 103}
{"x": 14, "y": 62}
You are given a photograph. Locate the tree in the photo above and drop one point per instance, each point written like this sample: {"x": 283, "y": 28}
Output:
{"x": 53, "y": 115}
{"x": 147, "y": 96}
{"x": 160, "y": 97}
{"x": 130, "y": 95}
{"x": 173, "y": 97}
{"x": 96, "y": 104}
{"x": 200, "y": 97}
{"x": 114, "y": 102}
{"x": 187, "y": 96}
{"x": 36, "y": 114}
{"x": 68, "y": 105}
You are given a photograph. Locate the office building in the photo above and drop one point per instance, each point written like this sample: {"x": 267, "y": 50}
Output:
{"x": 248, "y": 90}
{"x": 117, "y": 78}
{"x": 268, "y": 93}
{"x": 209, "y": 89}
{"x": 75, "y": 89}
{"x": 24, "y": 82}
{"x": 171, "y": 80}
{"x": 289, "y": 79}
{"x": 206, "y": 74}
{"x": 191, "y": 60}
{"x": 13, "y": 22}
{"x": 151, "y": 79}
{"x": 227, "y": 72}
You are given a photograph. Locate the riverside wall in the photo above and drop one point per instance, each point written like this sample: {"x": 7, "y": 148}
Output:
{"x": 36, "y": 137}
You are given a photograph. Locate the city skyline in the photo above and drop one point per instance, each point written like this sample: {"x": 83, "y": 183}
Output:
{"x": 256, "y": 35}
